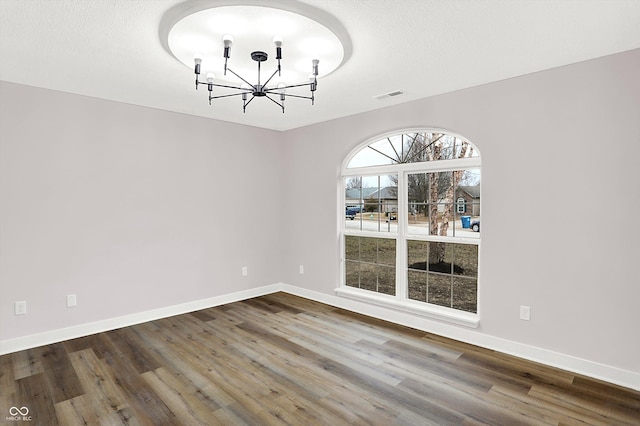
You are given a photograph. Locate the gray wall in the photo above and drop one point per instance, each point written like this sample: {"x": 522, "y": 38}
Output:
{"x": 557, "y": 139}
{"x": 130, "y": 208}
{"x": 134, "y": 209}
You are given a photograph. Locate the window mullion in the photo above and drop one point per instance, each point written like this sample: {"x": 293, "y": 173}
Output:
{"x": 401, "y": 244}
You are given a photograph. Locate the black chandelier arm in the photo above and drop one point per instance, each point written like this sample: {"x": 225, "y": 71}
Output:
{"x": 280, "y": 89}
{"x": 276, "y": 102}
{"x": 240, "y": 77}
{"x": 225, "y": 96}
{"x": 272, "y": 75}
{"x": 245, "y": 103}
{"x": 289, "y": 86}
{"x": 298, "y": 96}
{"x": 249, "y": 101}
{"x": 226, "y": 86}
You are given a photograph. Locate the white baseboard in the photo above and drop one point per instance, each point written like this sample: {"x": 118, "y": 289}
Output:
{"x": 46, "y": 338}
{"x": 570, "y": 363}
{"x": 585, "y": 367}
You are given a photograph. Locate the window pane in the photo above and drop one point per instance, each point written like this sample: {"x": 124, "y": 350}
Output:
{"x": 440, "y": 257}
{"x": 444, "y": 223}
{"x": 413, "y": 148}
{"x": 444, "y": 203}
{"x": 368, "y": 277}
{"x": 417, "y": 285}
{"x": 353, "y": 201}
{"x": 368, "y": 250}
{"x": 351, "y": 247}
{"x": 377, "y": 154}
{"x": 370, "y": 263}
{"x": 465, "y": 294}
{"x": 468, "y": 189}
{"x": 352, "y": 274}
{"x": 417, "y": 254}
{"x": 466, "y": 260}
{"x": 439, "y": 289}
{"x": 434, "y": 267}
{"x": 371, "y": 203}
{"x": 441, "y": 203}
{"x": 387, "y": 280}
{"x": 386, "y": 252}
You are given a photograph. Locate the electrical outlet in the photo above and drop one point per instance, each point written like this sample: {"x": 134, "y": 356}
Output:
{"x": 245, "y": 271}
{"x": 301, "y": 269}
{"x": 21, "y": 308}
{"x": 525, "y": 313}
{"x": 71, "y": 300}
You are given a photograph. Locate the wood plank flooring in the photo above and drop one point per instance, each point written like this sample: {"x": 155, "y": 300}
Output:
{"x": 281, "y": 359}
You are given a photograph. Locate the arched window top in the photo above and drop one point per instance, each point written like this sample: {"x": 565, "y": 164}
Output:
{"x": 413, "y": 147}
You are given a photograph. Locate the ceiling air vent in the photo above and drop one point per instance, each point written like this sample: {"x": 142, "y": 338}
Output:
{"x": 389, "y": 95}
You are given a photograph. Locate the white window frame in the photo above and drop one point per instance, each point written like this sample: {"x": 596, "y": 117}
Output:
{"x": 400, "y": 301}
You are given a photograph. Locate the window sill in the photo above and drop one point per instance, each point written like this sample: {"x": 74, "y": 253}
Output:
{"x": 435, "y": 312}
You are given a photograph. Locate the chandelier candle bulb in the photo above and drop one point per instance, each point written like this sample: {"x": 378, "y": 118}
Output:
{"x": 247, "y": 90}
{"x": 227, "y": 39}
{"x": 313, "y": 82}
{"x": 210, "y": 78}
{"x": 197, "y": 59}
{"x": 277, "y": 40}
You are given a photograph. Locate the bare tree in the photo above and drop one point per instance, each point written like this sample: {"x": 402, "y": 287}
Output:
{"x": 442, "y": 187}
{"x": 354, "y": 182}
{"x": 456, "y": 176}
{"x": 430, "y": 190}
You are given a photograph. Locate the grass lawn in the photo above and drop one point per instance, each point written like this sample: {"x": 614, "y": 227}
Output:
{"x": 370, "y": 265}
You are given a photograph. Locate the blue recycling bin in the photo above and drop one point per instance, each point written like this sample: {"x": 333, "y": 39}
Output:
{"x": 466, "y": 221}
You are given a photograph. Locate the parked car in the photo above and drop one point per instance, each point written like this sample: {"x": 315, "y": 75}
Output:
{"x": 475, "y": 226}
{"x": 350, "y": 212}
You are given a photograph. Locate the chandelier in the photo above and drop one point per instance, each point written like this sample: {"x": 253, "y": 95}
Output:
{"x": 260, "y": 89}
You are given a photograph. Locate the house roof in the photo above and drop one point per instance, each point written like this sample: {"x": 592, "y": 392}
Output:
{"x": 472, "y": 191}
{"x": 386, "y": 193}
{"x": 357, "y": 193}
{"x": 391, "y": 192}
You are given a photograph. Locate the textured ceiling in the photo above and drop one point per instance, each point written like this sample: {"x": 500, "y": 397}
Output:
{"x": 112, "y": 49}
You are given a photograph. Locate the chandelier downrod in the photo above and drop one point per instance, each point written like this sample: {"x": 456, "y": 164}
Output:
{"x": 259, "y": 90}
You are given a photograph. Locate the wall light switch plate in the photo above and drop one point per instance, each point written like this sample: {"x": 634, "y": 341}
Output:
{"x": 245, "y": 271}
{"x": 525, "y": 313}
{"x": 301, "y": 269}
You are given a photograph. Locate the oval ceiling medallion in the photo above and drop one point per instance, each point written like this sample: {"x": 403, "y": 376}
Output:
{"x": 253, "y": 29}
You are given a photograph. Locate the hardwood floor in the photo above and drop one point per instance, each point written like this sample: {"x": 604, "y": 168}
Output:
{"x": 280, "y": 359}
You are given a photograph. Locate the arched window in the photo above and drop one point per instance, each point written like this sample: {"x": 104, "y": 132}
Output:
{"x": 410, "y": 199}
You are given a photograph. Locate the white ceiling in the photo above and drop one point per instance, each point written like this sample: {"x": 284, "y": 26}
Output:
{"x": 112, "y": 49}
